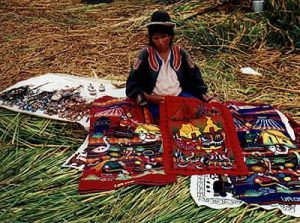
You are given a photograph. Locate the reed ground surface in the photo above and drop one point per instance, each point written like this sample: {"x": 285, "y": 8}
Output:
{"x": 102, "y": 41}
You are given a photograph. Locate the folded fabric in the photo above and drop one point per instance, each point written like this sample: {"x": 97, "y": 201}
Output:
{"x": 199, "y": 138}
{"x": 271, "y": 146}
{"x": 124, "y": 147}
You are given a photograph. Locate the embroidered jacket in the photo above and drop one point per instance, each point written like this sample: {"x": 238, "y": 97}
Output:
{"x": 144, "y": 73}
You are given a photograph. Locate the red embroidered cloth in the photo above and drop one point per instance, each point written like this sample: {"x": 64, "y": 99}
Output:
{"x": 124, "y": 147}
{"x": 199, "y": 138}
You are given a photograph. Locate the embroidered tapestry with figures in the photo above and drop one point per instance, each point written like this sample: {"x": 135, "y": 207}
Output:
{"x": 199, "y": 138}
{"x": 124, "y": 147}
{"x": 271, "y": 146}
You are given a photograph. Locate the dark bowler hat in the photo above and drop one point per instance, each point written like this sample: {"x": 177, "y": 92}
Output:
{"x": 160, "y": 18}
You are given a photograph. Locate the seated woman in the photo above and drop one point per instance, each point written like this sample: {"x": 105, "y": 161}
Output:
{"x": 163, "y": 68}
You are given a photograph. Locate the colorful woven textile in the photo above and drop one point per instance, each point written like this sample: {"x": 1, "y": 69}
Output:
{"x": 271, "y": 146}
{"x": 124, "y": 147}
{"x": 199, "y": 138}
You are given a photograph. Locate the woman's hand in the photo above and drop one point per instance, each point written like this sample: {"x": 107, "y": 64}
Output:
{"x": 213, "y": 100}
{"x": 154, "y": 98}
{"x": 208, "y": 99}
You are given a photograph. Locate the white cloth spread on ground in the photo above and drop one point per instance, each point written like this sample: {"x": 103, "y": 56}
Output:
{"x": 201, "y": 189}
{"x": 58, "y": 96}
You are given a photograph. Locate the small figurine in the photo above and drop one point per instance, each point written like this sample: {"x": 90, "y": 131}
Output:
{"x": 101, "y": 88}
{"x": 92, "y": 90}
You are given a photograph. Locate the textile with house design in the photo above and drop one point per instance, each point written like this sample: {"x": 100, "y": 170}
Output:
{"x": 199, "y": 138}
{"x": 124, "y": 148}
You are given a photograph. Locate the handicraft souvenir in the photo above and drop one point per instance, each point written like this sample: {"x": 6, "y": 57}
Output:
{"x": 199, "y": 138}
{"x": 271, "y": 146}
{"x": 252, "y": 121}
{"x": 124, "y": 147}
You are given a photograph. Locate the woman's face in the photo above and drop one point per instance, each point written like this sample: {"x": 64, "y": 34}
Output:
{"x": 161, "y": 42}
